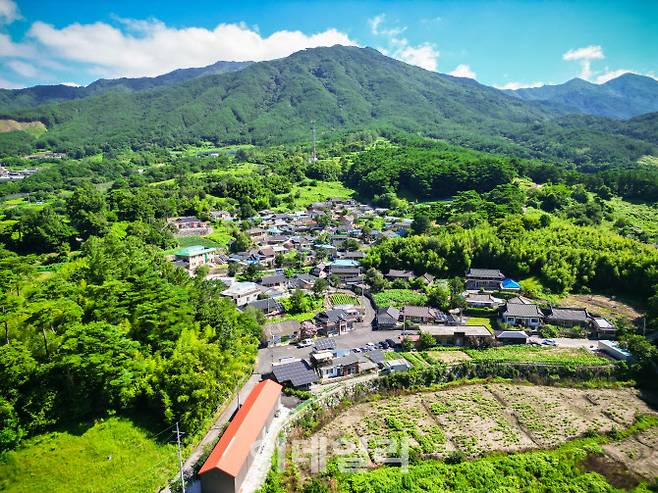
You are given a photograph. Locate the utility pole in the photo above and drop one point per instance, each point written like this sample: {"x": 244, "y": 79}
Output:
{"x": 180, "y": 459}
{"x": 314, "y": 157}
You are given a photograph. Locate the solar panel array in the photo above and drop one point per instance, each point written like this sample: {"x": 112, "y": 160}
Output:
{"x": 299, "y": 373}
{"x": 324, "y": 344}
{"x": 376, "y": 356}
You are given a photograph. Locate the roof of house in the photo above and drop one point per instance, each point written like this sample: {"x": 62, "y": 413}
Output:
{"x": 510, "y": 284}
{"x": 482, "y": 298}
{"x": 326, "y": 343}
{"x": 521, "y": 300}
{"x": 332, "y": 315}
{"x": 241, "y": 288}
{"x": 486, "y": 274}
{"x": 385, "y": 315}
{"x": 233, "y": 449}
{"x": 602, "y": 323}
{"x": 285, "y": 328}
{"x": 298, "y": 373}
{"x": 376, "y": 356}
{"x": 522, "y": 310}
{"x": 422, "y": 312}
{"x": 568, "y": 314}
{"x": 193, "y": 250}
{"x": 404, "y": 274}
{"x": 510, "y": 334}
{"x": 266, "y": 305}
{"x": 344, "y": 262}
{"x": 450, "y": 330}
{"x": 274, "y": 279}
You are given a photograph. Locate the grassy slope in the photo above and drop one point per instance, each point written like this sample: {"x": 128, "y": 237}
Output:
{"x": 322, "y": 191}
{"x": 56, "y": 461}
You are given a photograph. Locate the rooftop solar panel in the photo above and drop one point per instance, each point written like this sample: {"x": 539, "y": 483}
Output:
{"x": 298, "y": 373}
{"x": 323, "y": 344}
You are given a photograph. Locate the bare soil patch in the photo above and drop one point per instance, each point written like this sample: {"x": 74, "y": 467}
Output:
{"x": 449, "y": 357}
{"x": 602, "y": 305}
{"x": 482, "y": 418}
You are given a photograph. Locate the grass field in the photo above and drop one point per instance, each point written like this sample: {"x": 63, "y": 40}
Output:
{"x": 343, "y": 299}
{"x": 399, "y": 297}
{"x": 309, "y": 194}
{"x": 639, "y": 216}
{"x": 112, "y": 456}
{"x": 222, "y": 233}
{"x": 480, "y": 321}
{"x": 537, "y": 354}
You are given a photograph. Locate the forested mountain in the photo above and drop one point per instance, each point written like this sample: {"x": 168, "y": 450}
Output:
{"x": 16, "y": 99}
{"x": 624, "y": 97}
{"x": 341, "y": 89}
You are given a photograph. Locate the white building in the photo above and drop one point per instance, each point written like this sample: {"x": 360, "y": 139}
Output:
{"x": 242, "y": 292}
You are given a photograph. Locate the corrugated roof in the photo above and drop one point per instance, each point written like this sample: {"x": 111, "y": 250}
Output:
{"x": 233, "y": 449}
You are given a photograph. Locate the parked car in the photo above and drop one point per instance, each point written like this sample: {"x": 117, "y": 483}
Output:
{"x": 549, "y": 342}
{"x": 392, "y": 344}
{"x": 383, "y": 345}
{"x": 356, "y": 349}
{"x": 305, "y": 343}
{"x": 371, "y": 344}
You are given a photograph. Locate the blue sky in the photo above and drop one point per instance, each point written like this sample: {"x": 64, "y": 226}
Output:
{"x": 500, "y": 43}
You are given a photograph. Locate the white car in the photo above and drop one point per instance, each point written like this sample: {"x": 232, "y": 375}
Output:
{"x": 549, "y": 342}
{"x": 305, "y": 343}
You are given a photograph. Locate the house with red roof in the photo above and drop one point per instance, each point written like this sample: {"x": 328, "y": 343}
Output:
{"x": 228, "y": 464}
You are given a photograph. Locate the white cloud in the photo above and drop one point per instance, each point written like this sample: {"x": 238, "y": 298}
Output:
{"x": 376, "y": 22}
{"x": 5, "y": 84}
{"x": 148, "y": 48}
{"x": 8, "y": 11}
{"x": 23, "y": 68}
{"x": 520, "y": 85}
{"x": 10, "y": 49}
{"x": 424, "y": 55}
{"x": 71, "y": 84}
{"x": 584, "y": 56}
{"x": 463, "y": 70}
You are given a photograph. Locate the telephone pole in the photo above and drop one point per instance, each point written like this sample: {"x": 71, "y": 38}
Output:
{"x": 314, "y": 157}
{"x": 180, "y": 459}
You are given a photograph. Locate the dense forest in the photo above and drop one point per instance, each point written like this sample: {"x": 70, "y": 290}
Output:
{"x": 116, "y": 329}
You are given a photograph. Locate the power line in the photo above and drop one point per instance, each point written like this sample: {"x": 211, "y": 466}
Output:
{"x": 180, "y": 458}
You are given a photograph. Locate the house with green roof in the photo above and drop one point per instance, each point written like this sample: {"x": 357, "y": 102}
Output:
{"x": 194, "y": 256}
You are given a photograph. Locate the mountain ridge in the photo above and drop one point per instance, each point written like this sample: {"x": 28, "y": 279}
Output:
{"x": 623, "y": 97}
{"x": 17, "y": 99}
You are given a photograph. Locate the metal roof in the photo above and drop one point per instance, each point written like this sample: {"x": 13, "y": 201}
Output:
{"x": 233, "y": 449}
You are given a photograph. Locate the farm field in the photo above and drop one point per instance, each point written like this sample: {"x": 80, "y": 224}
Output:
{"x": 537, "y": 354}
{"x": 505, "y": 354}
{"x": 476, "y": 419}
{"x": 603, "y": 305}
{"x": 343, "y": 299}
{"x": 399, "y": 297}
{"x": 111, "y": 455}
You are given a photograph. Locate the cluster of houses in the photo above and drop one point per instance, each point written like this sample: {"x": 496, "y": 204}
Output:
{"x": 327, "y": 362}
{"x": 13, "y": 175}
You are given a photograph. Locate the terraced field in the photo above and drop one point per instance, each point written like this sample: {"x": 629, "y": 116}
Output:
{"x": 476, "y": 419}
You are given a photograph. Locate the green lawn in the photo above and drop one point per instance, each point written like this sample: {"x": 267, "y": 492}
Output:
{"x": 399, "y": 297}
{"x": 480, "y": 321}
{"x": 322, "y": 191}
{"x": 112, "y": 456}
{"x": 222, "y": 233}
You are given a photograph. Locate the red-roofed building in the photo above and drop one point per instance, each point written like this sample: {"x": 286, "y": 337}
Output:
{"x": 229, "y": 462}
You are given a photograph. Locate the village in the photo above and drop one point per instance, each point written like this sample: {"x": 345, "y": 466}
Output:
{"x": 303, "y": 273}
